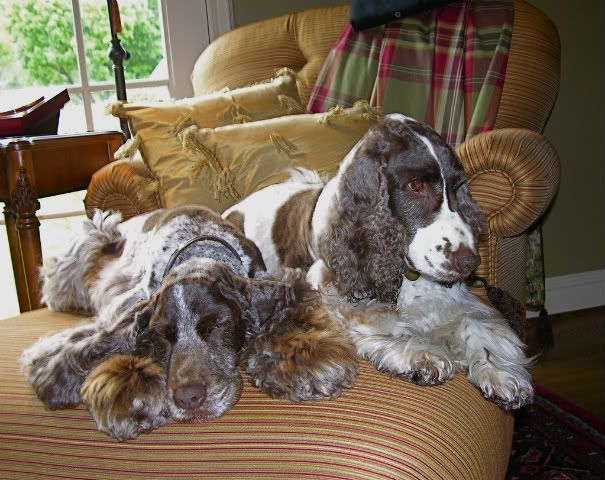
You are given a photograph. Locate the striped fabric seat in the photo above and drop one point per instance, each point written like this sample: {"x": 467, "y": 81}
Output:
{"x": 383, "y": 428}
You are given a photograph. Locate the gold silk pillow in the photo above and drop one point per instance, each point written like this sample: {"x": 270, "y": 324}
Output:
{"x": 226, "y": 164}
{"x": 154, "y": 124}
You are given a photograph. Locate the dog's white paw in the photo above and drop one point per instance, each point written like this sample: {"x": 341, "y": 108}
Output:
{"x": 427, "y": 368}
{"x": 507, "y": 390}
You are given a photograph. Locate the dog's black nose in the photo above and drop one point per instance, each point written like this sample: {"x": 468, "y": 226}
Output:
{"x": 465, "y": 260}
{"x": 190, "y": 396}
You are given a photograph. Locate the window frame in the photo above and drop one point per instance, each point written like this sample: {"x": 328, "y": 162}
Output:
{"x": 188, "y": 27}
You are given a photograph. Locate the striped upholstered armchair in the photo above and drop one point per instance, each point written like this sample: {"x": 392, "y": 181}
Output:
{"x": 383, "y": 427}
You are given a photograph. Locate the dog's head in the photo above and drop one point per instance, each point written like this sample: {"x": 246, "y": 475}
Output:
{"x": 403, "y": 172}
{"x": 196, "y": 333}
{"x": 197, "y": 322}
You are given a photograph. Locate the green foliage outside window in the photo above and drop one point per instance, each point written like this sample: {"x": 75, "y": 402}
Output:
{"x": 40, "y": 46}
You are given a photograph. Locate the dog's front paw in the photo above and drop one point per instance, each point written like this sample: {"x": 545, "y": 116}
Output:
{"x": 302, "y": 366}
{"x": 126, "y": 395}
{"x": 505, "y": 389}
{"x": 427, "y": 368}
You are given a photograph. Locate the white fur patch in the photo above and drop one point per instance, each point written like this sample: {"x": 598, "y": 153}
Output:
{"x": 328, "y": 198}
{"x": 260, "y": 210}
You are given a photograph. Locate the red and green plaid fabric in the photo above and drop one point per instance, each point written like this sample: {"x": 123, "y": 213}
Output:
{"x": 445, "y": 66}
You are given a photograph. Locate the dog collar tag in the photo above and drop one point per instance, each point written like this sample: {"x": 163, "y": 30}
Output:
{"x": 411, "y": 275}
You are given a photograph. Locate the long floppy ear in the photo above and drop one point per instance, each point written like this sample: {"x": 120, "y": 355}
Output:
{"x": 265, "y": 300}
{"x": 470, "y": 210}
{"x": 363, "y": 183}
{"x": 145, "y": 333}
{"x": 363, "y": 242}
{"x": 232, "y": 286}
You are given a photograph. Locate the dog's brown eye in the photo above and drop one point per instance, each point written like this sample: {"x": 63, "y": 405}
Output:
{"x": 417, "y": 185}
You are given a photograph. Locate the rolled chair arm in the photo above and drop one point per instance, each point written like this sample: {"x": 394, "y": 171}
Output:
{"x": 513, "y": 175}
{"x": 125, "y": 185}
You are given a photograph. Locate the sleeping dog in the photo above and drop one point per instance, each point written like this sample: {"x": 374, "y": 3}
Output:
{"x": 175, "y": 295}
{"x": 399, "y": 208}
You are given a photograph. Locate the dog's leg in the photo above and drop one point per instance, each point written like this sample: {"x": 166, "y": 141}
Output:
{"x": 304, "y": 357}
{"x": 126, "y": 395}
{"x": 386, "y": 341}
{"x": 57, "y": 365}
{"x": 50, "y": 368}
{"x": 495, "y": 359}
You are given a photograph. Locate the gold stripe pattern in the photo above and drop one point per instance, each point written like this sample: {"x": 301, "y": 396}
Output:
{"x": 382, "y": 428}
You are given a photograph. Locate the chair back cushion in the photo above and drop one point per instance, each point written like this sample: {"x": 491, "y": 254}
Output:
{"x": 302, "y": 41}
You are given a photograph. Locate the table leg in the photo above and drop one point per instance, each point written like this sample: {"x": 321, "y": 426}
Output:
{"x": 10, "y": 219}
{"x": 28, "y": 249}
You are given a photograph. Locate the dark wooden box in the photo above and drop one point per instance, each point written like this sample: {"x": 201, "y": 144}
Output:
{"x": 40, "y": 117}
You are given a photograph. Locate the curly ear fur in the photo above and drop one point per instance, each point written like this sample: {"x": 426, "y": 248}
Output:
{"x": 364, "y": 243}
{"x": 304, "y": 356}
{"x": 57, "y": 365}
{"x": 266, "y": 300}
{"x": 300, "y": 352}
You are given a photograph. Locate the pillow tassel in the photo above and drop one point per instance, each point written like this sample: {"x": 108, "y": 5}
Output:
{"x": 283, "y": 145}
{"x": 128, "y": 149}
{"x": 224, "y": 182}
{"x": 290, "y": 105}
{"x": 181, "y": 124}
{"x": 365, "y": 110}
{"x": 192, "y": 143}
{"x": 361, "y": 110}
{"x": 235, "y": 114}
{"x": 286, "y": 72}
{"x": 225, "y": 185}
{"x": 116, "y": 109}
{"x": 240, "y": 114}
{"x": 148, "y": 188}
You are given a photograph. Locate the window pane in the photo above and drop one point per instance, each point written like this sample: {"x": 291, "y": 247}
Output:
{"x": 151, "y": 94}
{"x": 101, "y": 119}
{"x": 72, "y": 118}
{"x": 37, "y": 45}
{"x": 141, "y": 36}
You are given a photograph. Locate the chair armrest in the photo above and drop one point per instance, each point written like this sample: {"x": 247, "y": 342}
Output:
{"x": 513, "y": 176}
{"x": 125, "y": 185}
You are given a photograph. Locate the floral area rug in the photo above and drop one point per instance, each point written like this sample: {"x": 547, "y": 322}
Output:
{"x": 555, "y": 440}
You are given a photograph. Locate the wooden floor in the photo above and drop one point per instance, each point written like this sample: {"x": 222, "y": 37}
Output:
{"x": 574, "y": 368}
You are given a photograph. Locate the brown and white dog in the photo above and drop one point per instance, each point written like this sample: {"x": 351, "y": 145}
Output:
{"x": 175, "y": 295}
{"x": 399, "y": 206}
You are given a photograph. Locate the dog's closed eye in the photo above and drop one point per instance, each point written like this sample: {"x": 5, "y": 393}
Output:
{"x": 167, "y": 330}
{"x": 208, "y": 324}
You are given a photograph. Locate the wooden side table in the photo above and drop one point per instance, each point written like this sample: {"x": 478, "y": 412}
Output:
{"x": 37, "y": 167}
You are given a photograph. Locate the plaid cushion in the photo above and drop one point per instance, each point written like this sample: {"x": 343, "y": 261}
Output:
{"x": 445, "y": 66}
